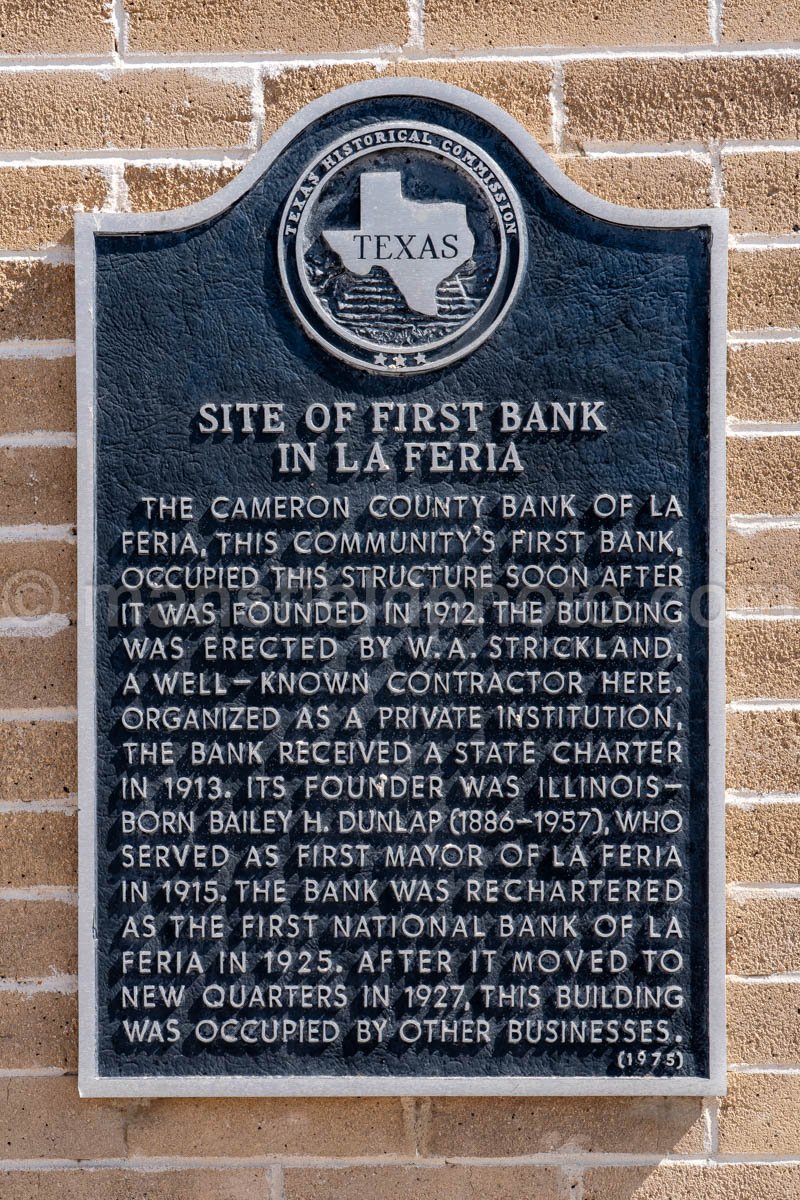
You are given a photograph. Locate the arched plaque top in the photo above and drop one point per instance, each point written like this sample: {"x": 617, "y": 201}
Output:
{"x": 421, "y": 88}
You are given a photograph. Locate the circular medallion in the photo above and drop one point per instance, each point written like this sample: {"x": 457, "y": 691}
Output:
{"x": 402, "y": 247}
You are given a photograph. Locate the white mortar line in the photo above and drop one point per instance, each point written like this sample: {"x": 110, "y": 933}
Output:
{"x": 33, "y": 627}
{"x": 676, "y": 149}
{"x": 258, "y": 109}
{"x": 48, "y": 254}
{"x": 757, "y": 243}
{"x": 28, "y": 348}
{"x": 37, "y": 533}
{"x": 764, "y": 1068}
{"x": 695, "y": 151}
{"x": 711, "y": 1122}
{"x": 747, "y": 523}
{"x": 558, "y": 107}
{"x": 119, "y": 23}
{"x": 716, "y": 185}
{"x": 738, "y": 798}
{"x": 117, "y": 191}
{"x": 416, "y": 23}
{"x": 38, "y": 437}
{"x": 758, "y": 146}
{"x": 740, "y": 892}
{"x": 151, "y": 60}
{"x": 170, "y": 156}
{"x": 757, "y": 614}
{"x": 763, "y": 241}
{"x": 267, "y": 1162}
{"x": 715, "y": 21}
{"x": 787, "y": 977}
{"x": 277, "y": 1188}
{"x": 69, "y": 804}
{"x": 32, "y": 1072}
{"x": 779, "y": 613}
{"x": 761, "y": 429}
{"x": 62, "y": 984}
{"x": 106, "y": 160}
{"x": 38, "y": 714}
{"x": 36, "y": 894}
{"x": 757, "y": 705}
{"x": 754, "y": 337}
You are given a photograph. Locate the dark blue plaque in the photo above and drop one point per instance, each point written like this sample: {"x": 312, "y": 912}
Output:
{"x": 401, "y": 561}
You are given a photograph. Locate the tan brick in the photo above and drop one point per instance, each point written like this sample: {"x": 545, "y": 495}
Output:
{"x": 763, "y": 843}
{"x": 520, "y": 88}
{"x": 764, "y": 289}
{"x": 290, "y": 89}
{"x": 38, "y": 672}
{"x": 293, "y": 26}
{"x": 749, "y": 1181}
{"x": 155, "y": 189}
{"x": 763, "y": 475}
{"x": 498, "y": 1127}
{"x": 36, "y": 300}
{"x": 38, "y": 938}
{"x": 764, "y": 382}
{"x": 228, "y": 1183}
{"x": 671, "y": 181}
{"x": 255, "y": 1127}
{"x": 763, "y": 934}
{"x": 763, "y": 1024}
{"x": 37, "y": 485}
{"x": 38, "y": 760}
{"x": 37, "y": 204}
{"x": 429, "y": 1183}
{"x": 673, "y": 100}
{"x": 82, "y": 110}
{"x": 762, "y": 659}
{"x": 37, "y": 578}
{"x": 55, "y": 27}
{"x": 760, "y": 1115}
{"x": 764, "y": 569}
{"x": 762, "y": 191}
{"x": 46, "y": 1118}
{"x": 38, "y": 1029}
{"x": 38, "y": 849}
{"x": 451, "y": 24}
{"x": 763, "y": 753}
{"x": 37, "y": 393}
{"x": 778, "y": 21}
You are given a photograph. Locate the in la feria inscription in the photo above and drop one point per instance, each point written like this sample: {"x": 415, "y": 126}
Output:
{"x": 401, "y": 559}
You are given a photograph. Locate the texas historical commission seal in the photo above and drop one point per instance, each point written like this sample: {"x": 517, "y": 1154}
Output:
{"x": 402, "y": 247}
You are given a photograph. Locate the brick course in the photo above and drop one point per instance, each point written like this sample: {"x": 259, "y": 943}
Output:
{"x": 38, "y": 849}
{"x": 764, "y": 842}
{"x": 84, "y": 110}
{"x": 450, "y": 25}
{"x": 764, "y": 382}
{"x": 283, "y": 26}
{"x": 38, "y": 760}
{"x": 37, "y": 394}
{"x": 669, "y": 100}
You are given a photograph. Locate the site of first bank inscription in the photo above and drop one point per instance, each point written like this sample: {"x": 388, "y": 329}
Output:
{"x": 399, "y": 764}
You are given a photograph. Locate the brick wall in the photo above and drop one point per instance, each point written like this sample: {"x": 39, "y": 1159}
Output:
{"x": 147, "y": 104}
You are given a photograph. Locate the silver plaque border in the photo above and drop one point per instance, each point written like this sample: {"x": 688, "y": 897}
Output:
{"x": 87, "y": 225}
{"x": 470, "y": 343}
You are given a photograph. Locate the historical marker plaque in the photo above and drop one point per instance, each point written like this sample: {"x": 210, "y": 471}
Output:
{"x": 401, "y": 578}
